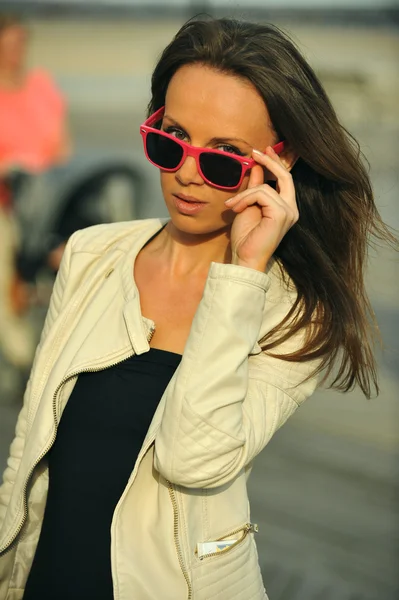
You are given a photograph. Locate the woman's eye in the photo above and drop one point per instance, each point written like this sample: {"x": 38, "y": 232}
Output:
{"x": 178, "y": 133}
{"x": 230, "y": 149}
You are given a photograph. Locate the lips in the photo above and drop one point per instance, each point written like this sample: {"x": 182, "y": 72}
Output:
{"x": 189, "y": 199}
{"x": 187, "y": 205}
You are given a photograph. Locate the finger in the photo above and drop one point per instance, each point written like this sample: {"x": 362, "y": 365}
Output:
{"x": 256, "y": 177}
{"x": 269, "y": 203}
{"x": 264, "y": 188}
{"x": 265, "y": 201}
{"x": 284, "y": 178}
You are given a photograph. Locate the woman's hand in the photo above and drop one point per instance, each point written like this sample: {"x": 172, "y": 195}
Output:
{"x": 264, "y": 215}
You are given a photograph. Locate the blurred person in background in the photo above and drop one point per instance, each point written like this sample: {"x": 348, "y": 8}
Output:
{"x": 175, "y": 348}
{"x": 33, "y": 139}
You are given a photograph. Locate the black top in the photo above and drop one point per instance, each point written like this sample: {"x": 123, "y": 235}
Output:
{"x": 99, "y": 437}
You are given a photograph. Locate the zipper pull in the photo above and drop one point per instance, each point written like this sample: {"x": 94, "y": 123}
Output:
{"x": 253, "y": 527}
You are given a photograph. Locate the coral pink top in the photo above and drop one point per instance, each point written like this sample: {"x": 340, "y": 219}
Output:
{"x": 31, "y": 123}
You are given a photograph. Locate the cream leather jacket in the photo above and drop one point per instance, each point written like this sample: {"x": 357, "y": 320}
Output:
{"x": 221, "y": 407}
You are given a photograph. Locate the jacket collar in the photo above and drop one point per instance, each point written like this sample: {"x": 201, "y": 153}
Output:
{"x": 110, "y": 322}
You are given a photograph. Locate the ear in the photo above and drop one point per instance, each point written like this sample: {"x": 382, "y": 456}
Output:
{"x": 288, "y": 157}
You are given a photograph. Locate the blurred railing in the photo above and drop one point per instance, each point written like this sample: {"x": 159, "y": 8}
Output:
{"x": 370, "y": 13}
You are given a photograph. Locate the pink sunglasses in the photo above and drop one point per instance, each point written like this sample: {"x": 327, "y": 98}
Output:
{"x": 220, "y": 169}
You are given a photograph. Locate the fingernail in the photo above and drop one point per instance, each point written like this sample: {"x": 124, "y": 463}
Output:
{"x": 257, "y": 152}
{"x": 229, "y": 201}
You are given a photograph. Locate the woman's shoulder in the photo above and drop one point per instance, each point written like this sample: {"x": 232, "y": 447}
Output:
{"x": 98, "y": 239}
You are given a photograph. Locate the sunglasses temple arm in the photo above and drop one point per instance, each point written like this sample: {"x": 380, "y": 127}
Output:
{"x": 278, "y": 148}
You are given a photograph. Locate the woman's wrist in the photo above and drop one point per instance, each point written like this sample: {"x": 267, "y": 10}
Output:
{"x": 256, "y": 265}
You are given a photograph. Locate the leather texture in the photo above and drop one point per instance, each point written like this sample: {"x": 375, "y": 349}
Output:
{"x": 224, "y": 403}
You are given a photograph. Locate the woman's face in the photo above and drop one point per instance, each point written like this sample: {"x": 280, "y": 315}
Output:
{"x": 210, "y": 109}
{"x": 13, "y": 42}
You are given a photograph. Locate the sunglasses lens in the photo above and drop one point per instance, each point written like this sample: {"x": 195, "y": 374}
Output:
{"x": 221, "y": 170}
{"x": 163, "y": 151}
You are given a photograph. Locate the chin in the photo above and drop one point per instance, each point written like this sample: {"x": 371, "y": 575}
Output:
{"x": 201, "y": 224}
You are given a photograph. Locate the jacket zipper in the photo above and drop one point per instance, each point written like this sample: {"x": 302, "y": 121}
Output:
{"x": 176, "y": 538}
{"x": 152, "y": 331}
{"x": 176, "y": 530}
{"x": 248, "y": 527}
{"x": 48, "y": 447}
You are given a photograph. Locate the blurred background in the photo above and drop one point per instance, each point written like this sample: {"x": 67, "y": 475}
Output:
{"x": 325, "y": 490}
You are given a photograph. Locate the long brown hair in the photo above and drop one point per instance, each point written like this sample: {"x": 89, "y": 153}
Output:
{"x": 324, "y": 253}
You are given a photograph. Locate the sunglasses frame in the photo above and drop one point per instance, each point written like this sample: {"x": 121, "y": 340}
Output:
{"x": 196, "y": 151}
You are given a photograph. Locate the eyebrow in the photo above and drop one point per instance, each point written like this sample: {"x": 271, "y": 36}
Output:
{"x": 215, "y": 140}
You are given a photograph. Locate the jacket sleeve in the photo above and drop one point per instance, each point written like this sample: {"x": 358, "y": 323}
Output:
{"x": 18, "y": 443}
{"x": 220, "y": 408}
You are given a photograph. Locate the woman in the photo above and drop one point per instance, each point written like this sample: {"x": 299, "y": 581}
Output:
{"x": 33, "y": 139}
{"x": 32, "y": 109}
{"x": 174, "y": 349}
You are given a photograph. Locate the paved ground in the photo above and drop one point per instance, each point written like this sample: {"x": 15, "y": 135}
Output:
{"x": 325, "y": 491}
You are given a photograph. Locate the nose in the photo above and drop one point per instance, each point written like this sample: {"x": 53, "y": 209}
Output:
{"x": 188, "y": 172}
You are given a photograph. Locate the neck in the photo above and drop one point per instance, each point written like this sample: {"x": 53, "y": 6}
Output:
{"x": 183, "y": 254}
{"x": 11, "y": 77}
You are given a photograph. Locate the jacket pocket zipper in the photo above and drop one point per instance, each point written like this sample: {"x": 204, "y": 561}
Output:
{"x": 176, "y": 539}
{"x": 246, "y": 529}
